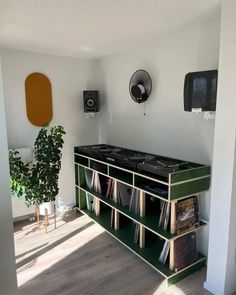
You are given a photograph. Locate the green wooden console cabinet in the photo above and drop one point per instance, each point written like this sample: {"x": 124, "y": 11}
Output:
{"x": 180, "y": 185}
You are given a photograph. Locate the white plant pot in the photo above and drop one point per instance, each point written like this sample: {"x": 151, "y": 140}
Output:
{"x": 47, "y": 205}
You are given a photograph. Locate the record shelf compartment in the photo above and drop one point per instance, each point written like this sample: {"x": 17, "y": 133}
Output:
{"x": 125, "y": 204}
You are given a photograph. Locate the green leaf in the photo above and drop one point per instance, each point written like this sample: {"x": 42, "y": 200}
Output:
{"x": 38, "y": 181}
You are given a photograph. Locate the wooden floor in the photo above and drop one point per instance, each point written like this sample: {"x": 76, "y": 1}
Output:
{"x": 80, "y": 258}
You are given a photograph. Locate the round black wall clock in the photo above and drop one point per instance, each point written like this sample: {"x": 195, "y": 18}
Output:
{"x": 140, "y": 86}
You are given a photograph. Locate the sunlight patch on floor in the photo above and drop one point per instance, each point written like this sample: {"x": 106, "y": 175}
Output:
{"x": 46, "y": 260}
{"x": 163, "y": 290}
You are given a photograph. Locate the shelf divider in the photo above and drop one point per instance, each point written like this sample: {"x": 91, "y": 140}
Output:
{"x": 97, "y": 206}
{"x": 142, "y": 203}
{"x": 117, "y": 219}
{"x": 142, "y": 236}
{"x": 173, "y": 217}
{"x": 171, "y": 259}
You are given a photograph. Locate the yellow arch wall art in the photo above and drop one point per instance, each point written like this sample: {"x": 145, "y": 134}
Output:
{"x": 38, "y": 93}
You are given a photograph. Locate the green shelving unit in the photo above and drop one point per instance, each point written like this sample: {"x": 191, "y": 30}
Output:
{"x": 150, "y": 222}
{"x": 179, "y": 185}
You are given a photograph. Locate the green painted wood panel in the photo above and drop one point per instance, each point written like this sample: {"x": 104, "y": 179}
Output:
{"x": 188, "y": 174}
{"x": 181, "y": 275}
{"x": 77, "y": 196}
{"x": 145, "y": 184}
{"x": 121, "y": 175}
{"x": 98, "y": 166}
{"x": 155, "y": 176}
{"x": 150, "y": 253}
{"x": 81, "y": 176}
{"x": 76, "y": 174}
{"x": 81, "y": 160}
{"x": 189, "y": 188}
{"x": 126, "y": 236}
{"x": 150, "y": 220}
{"x": 82, "y": 200}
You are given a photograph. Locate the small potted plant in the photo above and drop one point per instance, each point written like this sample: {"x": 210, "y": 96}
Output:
{"x": 37, "y": 182}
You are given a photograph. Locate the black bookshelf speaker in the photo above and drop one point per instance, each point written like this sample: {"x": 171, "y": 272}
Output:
{"x": 91, "y": 101}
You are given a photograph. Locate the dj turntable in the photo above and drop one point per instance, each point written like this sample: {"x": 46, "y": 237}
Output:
{"x": 128, "y": 158}
{"x": 97, "y": 151}
{"x": 133, "y": 160}
{"x": 161, "y": 166}
{"x": 115, "y": 155}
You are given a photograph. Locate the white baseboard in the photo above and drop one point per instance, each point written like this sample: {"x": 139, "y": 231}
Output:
{"x": 19, "y": 209}
{"x": 215, "y": 291}
{"x": 23, "y": 217}
{"x": 68, "y": 207}
{"x": 231, "y": 290}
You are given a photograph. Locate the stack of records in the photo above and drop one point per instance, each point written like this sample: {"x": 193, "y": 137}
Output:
{"x": 134, "y": 203}
{"x": 187, "y": 215}
{"x": 165, "y": 252}
{"x": 136, "y": 233}
{"x": 124, "y": 193}
{"x": 110, "y": 193}
{"x": 165, "y": 215}
{"x": 93, "y": 183}
{"x": 185, "y": 251}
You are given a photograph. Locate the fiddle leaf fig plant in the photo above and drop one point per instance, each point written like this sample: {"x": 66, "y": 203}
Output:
{"x": 37, "y": 182}
{"x": 20, "y": 174}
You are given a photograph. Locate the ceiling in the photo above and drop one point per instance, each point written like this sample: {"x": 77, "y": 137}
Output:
{"x": 95, "y": 28}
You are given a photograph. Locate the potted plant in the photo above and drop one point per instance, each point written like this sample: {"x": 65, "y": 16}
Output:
{"x": 37, "y": 182}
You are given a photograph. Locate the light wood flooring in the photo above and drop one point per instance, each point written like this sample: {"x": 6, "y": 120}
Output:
{"x": 79, "y": 258}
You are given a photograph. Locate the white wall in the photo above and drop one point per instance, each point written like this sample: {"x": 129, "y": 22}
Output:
{"x": 7, "y": 255}
{"x": 166, "y": 129}
{"x": 221, "y": 271}
{"x": 69, "y": 77}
